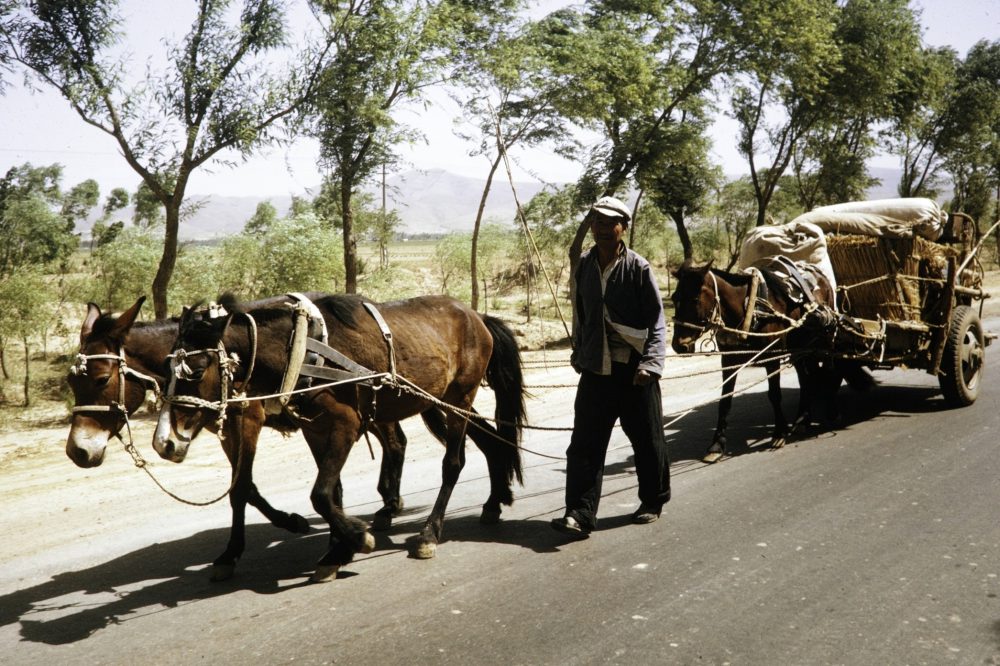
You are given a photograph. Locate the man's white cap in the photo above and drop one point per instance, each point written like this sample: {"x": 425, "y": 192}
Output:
{"x": 611, "y": 207}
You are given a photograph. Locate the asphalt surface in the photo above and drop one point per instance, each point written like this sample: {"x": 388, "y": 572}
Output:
{"x": 877, "y": 542}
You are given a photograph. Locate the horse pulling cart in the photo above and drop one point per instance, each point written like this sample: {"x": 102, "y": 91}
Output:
{"x": 876, "y": 285}
{"x": 909, "y": 301}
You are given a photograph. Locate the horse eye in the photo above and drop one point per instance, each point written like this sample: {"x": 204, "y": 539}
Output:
{"x": 102, "y": 381}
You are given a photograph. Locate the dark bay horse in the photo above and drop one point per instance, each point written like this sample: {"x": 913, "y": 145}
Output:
{"x": 438, "y": 344}
{"x": 121, "y": 359}
{"x": 708, "y": 299}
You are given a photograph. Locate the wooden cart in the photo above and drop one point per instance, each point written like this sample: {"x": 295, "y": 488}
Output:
{"x": 914, "y": 303}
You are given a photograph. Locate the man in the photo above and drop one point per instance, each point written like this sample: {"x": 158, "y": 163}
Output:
{"x": 619, "y": 346}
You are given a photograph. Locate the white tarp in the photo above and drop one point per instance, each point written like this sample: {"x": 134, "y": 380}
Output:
{"x": 893, "y": 218}
{"x": 802, "y": 242}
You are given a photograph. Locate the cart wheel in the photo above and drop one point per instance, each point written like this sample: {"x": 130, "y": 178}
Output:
{"x": 964, "y": 355}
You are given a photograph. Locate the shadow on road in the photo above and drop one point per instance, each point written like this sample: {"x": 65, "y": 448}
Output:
{"x": 74, "y": 605}
{"x": 751, "y": 418}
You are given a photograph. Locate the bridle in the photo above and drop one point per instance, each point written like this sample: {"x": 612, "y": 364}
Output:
{"x": 124, "y": 371}
{"x": 714, "y": 320}
{"x": 228, "y": 363}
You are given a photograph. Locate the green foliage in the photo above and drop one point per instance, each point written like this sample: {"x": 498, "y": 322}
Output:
{"x": 972, "y": 132}
{"x": 228, "y": 86}
{"x": 123, "y": 268}
{"x": 148, "y": 209}
{"x": 295, "y": 254}
{"x": 31, "y": 232}
{"x": 262, "y": 220}
{"x": 26, "y": 301}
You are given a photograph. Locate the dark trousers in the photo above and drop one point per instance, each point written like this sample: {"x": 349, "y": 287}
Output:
{"x": 601, "y": 400}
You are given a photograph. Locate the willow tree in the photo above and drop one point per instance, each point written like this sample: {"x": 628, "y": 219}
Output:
{"x": 816, "y": 88}
{"x": 228, "y": 88}
{"x": 632, "y": 72}
{"x": 387, "y": 53}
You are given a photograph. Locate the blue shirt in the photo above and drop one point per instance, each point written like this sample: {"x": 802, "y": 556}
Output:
{"x": 629, "y": 301}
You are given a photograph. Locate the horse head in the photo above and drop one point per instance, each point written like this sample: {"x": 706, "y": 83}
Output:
{"x": 104, "y": 391}
{"x": 694, "y": 302}
{"x": 197, "y": 386}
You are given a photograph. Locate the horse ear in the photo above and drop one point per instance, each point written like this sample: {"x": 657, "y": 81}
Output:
{"x": 125, "y": 320}
{"x": 709, "y": 264}
{"x": 93, "y": 314}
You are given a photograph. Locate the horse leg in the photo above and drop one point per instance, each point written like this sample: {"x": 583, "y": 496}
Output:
{"x": 292, "y": 522}
{"x": 718, "y": 446}
{"x": 497, "y": 452}
{"x": 393, "y": 441}
{"x": 239, "y": 441}
{"x": 424, "y": 545}
{"x": 348, "y": 535}
{"x": 780, "y": 434}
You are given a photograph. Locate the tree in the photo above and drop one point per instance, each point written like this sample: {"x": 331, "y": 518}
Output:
{"x": 79, "y": 201}
{"x": 814, "y": 91}
{"x": 509, "y": 100}
{"x": 388, "y": 52}
{"x": 629, "y": 71}
{"x": 920, "y": 106}
{"x": 680, "y": 178}
{"x": 32, "y": 233}
{"x": 147, "y": 211}
{"x": 972, "y": 132}
{"x": 221, "y": 97}
{"x": 262, "y": 219}
{"x": 25, "y": 312}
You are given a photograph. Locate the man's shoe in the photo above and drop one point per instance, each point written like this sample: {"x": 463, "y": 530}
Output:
{"x": 645, "y": 515}
{"x": 568, "y": 525}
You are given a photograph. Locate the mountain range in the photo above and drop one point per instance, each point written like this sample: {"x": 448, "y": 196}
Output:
{"x": 428, "y": 202}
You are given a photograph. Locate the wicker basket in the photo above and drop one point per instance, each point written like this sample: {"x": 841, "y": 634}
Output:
{"x": 889, "y": 278}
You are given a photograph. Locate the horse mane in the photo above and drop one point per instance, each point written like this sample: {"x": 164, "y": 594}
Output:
{"x": 735, "y": 279}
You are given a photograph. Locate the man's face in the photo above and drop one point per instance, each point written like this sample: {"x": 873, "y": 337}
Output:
{"x": 607, "y": 230}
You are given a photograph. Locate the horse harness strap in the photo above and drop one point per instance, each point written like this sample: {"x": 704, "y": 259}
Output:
{"x": 756, "y": 283}
{"x": 386, "y": 333}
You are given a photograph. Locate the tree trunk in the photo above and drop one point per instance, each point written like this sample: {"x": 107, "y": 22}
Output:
{"x": 682, "y": 233}
{"x": 168, "y": 260}
{"x": 350, "y": 245}
{"x": 474, "y": 263}
{"x": 27, "y": 373}
{"x": 3, "y": 359}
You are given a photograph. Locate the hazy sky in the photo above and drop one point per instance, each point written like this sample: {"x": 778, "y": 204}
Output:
{"x": 41, "y": 129}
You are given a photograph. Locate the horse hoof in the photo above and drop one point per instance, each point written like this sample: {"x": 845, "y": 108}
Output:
{"x": 381, "y": 522}
{"x": 221, "y": 572}
{"x": 368, "y": 545}
{"x": 324, "y": 573}
{"x": 424, "y": 550}
{"x": 778, "y": 443}
{"x": 301, "y": 525}
{"x": 489, "y": 517}
{"x": 712, "y": 457}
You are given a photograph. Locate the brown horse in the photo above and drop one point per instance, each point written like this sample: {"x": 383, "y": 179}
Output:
{"x": 121, "y": 359}
{"x": 441, "y": 351}
{"x": 708, "y": 299}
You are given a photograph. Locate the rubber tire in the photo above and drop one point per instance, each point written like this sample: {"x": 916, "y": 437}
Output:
{"x": 963, "y": 359}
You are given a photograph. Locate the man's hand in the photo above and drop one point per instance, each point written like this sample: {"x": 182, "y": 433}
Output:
{"x": 643, "y": 377}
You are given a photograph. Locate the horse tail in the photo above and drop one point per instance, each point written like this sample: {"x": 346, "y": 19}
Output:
{"x": 505, "y": 376}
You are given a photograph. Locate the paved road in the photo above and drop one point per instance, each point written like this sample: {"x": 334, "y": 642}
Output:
{"x": 876, "y": 543}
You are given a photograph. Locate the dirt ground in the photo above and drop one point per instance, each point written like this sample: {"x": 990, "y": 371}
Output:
{"x": 52, "y": 508}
